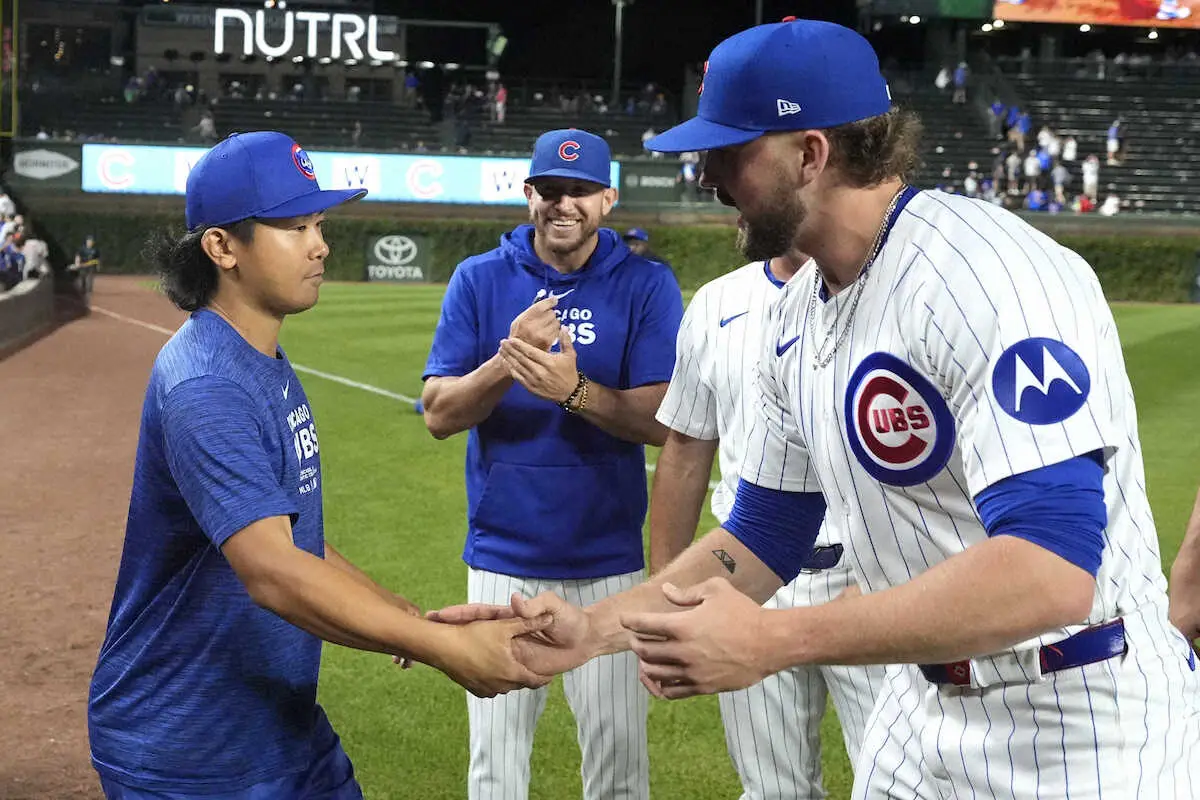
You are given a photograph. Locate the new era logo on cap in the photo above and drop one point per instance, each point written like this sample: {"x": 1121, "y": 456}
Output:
{"x": 787, "y": 107}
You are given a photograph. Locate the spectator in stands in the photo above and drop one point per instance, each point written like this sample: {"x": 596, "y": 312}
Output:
{"x": 411, "y": 84}
{"x": 971, "y": 184}
{"x": 996, "y": 119}
{"x": 689, "y": 178}
{"x": 8, "y": 209}
{"x": 356, "y": 134}
{"x": 1033, "y": 172}
{"x": 206, "y": 128}
{"x": 1091, "y": 177}
{"x": 647, "y": 135}
{"x": 1012, "y": 166}
{"x": 1110, "y": 206}
{"x": 1070, "y": 150}
{"x": 1061, "y": 177}
{"x": 1036, "y": 200}
{"x": 961, "y": 74}
{"x": 501, "y": 107}
{"x": 943, "y": 79}
{"x": 1024, "y": 126}
{"x": 12, "y": 263}
{"x": 12, "y": 226}
{"x": 37, "y": 258}
{"x": 1113, "y": 143}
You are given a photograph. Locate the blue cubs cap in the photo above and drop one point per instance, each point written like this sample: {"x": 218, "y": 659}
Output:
{"x": 571, "y": 153}
{"x": 784, "y": 76}
{"x": 262, "y": 174}
{"x": 637, "y": 233}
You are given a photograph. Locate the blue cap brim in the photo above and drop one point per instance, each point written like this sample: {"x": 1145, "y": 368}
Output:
{"x": 569, "y": 173}
{"x": 312, "y": 203}
{"x": 700, "y": 134}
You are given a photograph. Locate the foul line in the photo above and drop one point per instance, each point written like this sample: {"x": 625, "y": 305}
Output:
{"x": 366, "y": 387}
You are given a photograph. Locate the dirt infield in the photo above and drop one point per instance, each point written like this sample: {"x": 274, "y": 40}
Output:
{"x": 69, "y": 411}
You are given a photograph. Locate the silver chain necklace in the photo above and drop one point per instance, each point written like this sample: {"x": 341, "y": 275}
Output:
{"x": 821, "y": 358}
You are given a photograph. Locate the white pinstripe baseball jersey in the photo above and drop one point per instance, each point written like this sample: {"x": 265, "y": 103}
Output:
{"x": 772, "y": 729}
{"x": 980, "y": 349}
{"x": 715, "y": 382}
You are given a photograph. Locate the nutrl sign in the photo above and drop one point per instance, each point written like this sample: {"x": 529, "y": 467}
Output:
{"x": 339, "y": 30}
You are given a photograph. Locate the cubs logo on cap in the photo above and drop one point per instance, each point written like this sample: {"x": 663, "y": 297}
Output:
{"x": 899, "y": 426}
{"x": 569, "y": 150}
{"x": 571, "y": 153}
{"x": 303, "y": 162}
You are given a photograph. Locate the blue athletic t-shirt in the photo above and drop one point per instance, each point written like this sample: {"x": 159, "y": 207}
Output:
{"x": 549, "y": 494}
{"x": 197, "y": 687}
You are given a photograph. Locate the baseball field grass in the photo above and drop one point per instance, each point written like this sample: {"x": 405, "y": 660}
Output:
{"x": 395, "y": 505}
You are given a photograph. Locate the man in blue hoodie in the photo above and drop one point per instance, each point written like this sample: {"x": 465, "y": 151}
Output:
{"x": 554, "y": 351}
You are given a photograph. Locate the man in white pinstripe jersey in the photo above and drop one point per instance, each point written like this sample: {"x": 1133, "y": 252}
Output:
{"x": 949, "y": 385}
{"x": 772, "y": 729}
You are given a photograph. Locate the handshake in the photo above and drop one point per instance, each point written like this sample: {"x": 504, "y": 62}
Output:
{"x": 704, "y": 639}
{"x": 491, "y": 649}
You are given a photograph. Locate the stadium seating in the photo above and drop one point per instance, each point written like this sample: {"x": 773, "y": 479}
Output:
{"x": 1159, "y": 172}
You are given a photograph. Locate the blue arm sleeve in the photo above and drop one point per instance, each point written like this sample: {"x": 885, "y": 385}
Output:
{"x": 214, "y": 448}
{"x": 455, "y": 349}
{"x": 779, "y": 527}
{"x": 652, "y": 352}
{"x": 1059, "y": 507}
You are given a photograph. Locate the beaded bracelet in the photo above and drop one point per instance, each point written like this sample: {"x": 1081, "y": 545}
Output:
{"x": 576, "y": 401}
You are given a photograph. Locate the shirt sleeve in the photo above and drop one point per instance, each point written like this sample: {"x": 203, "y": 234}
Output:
{"x": 689, "y": 406}
{"x": 1026, "y": 350}
{"x": 455, "y": 349}
{"x": 776, "y": 456}
{"x": 214, "y": 446}
{"x": 652, "y": 351}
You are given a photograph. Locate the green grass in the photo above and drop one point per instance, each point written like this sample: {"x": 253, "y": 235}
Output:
{"x": 395, "y": 505}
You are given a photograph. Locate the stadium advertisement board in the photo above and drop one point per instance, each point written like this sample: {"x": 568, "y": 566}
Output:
{"x": 397, "y": 258}
{"x": 388, "y": 177}
{"x": 1153, "y": 13}
{"x": 45, "y": 164}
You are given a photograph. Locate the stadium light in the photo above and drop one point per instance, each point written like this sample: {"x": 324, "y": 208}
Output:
{"x": 1084, "y": 28}
{"x": 997, "y": 23}
{"x": 425, "y": 64}
{"x": 986, "y": 27}
{"x": 351, "y": 62}
{"x": 1153, "y": 34}
{"x": 915, "y": 19}
{"x": 450, "y": 66}
{"x": 297, "y": 59}
{"x": 326, "y": 60}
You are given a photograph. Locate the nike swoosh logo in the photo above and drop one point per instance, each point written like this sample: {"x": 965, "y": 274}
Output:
{"x": 728, "y": 320}
{"x": 286, "y": 386}
{"x": 783, "y": 347}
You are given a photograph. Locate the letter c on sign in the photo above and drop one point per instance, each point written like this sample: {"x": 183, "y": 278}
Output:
{"x": 568, "y": 150}
{"x": 423, "y": 178}
{"x": 113, "y": 166}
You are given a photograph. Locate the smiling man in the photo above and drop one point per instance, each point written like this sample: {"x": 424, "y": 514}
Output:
{"x": 554, "y": 350}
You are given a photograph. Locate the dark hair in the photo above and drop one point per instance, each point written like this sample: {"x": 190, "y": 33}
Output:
{"x": 871, "y": 151}
{"x": 185, "y": 272}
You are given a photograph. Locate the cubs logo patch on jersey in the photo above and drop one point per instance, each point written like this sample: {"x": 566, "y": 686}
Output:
{"x": 1040, "y": 381}
{"x": 897, "y": 422}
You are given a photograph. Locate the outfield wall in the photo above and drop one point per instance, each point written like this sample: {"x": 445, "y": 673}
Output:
{"x": 120, "y": 193}
{"x": 26, "y": 311}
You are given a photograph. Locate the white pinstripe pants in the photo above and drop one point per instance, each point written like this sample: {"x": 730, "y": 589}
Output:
{"x": 773, "y": 729}
{"x": 608, "y": 701}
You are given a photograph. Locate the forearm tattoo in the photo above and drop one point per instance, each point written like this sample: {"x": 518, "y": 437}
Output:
{"x": 726, "y": 560}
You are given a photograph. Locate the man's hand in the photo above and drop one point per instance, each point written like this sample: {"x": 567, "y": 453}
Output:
{"x": 537, "y": 325}
{"x": 481, "y": 657}
{"x": 1184, "y": 608}
{"x": 715, "y": 646}
{"x": 560, "y": 646}
{"x": 550, "y": 376}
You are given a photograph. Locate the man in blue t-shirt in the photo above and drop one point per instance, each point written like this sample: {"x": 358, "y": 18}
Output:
{"x": 206, "y": 681}
{"x": 554, "y": 350}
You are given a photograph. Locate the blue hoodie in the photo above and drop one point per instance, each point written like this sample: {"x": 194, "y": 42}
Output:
{"x": 550, "y": 495}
